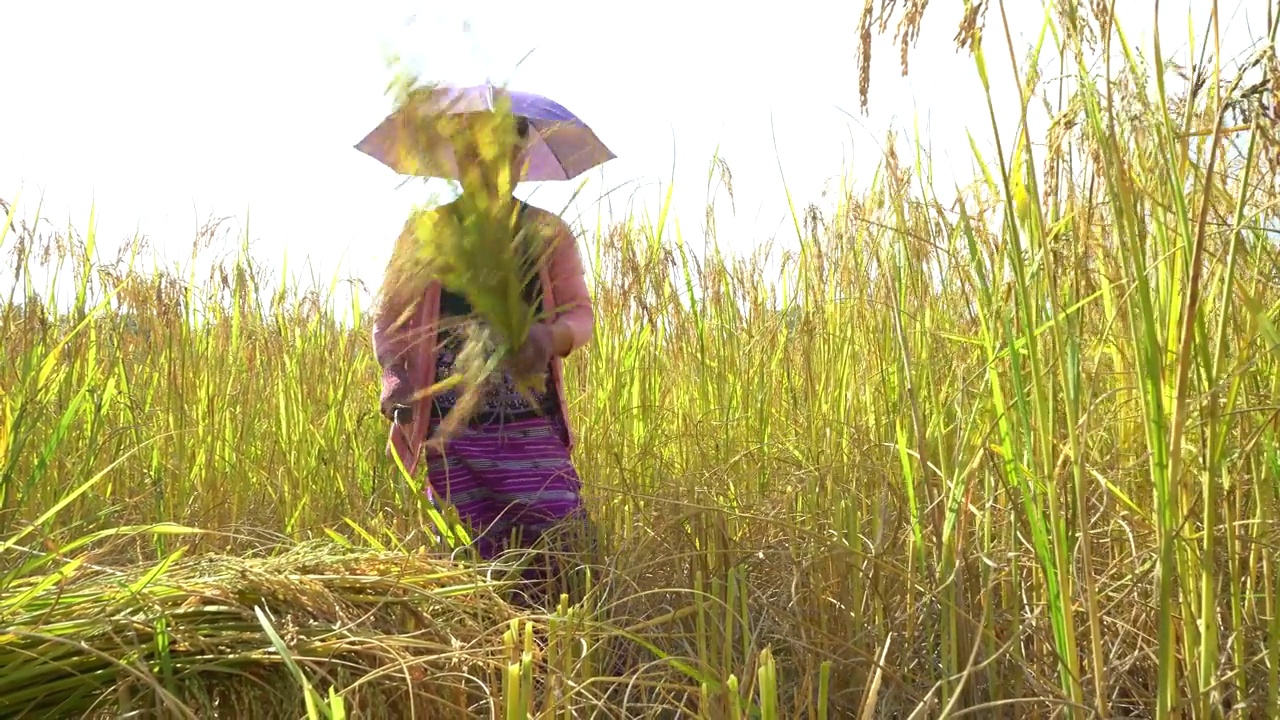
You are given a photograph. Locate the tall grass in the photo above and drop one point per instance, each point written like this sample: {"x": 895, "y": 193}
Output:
{"x": 1014, "y": 457}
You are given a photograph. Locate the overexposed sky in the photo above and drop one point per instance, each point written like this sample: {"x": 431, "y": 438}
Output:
{"x": 164, "y": 113}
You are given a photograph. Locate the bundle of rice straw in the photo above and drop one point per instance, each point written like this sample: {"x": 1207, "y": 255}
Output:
{"x": 399, "y": 635}
{"x": 475, "y": 246}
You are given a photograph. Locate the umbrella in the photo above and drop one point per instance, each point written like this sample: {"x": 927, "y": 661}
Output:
{"x": 560, "y": 146}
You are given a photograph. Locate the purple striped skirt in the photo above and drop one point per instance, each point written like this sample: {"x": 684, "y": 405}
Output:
{"x": 504, "y": 479}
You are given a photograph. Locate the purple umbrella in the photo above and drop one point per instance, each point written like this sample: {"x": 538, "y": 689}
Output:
{"x": 560, "y": 146}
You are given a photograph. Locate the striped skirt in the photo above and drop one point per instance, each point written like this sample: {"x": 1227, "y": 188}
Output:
{"x": 507, "y": 479}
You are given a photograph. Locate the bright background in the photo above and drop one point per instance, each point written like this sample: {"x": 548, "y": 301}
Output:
{"x": 164, "y": 114}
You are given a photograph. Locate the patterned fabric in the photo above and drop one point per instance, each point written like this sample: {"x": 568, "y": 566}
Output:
{"x": 507, "y": 476}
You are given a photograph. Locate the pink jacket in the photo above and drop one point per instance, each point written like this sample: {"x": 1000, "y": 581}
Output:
{"x": 412, "y": 344}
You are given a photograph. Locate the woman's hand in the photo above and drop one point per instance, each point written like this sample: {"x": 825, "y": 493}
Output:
{"x": 544, "y": 342}
{"x": 397, "y": 394}
{"x": 534, "y": 355}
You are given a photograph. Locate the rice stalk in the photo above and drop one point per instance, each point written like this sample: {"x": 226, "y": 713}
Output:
{"x": 476, "y": 245}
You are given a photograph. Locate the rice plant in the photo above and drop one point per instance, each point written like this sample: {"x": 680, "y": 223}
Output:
{"x": 475, "y": 245}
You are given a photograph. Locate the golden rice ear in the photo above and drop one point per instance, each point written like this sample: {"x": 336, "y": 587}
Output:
{"x": 464, "y": 409}
{"x": 445, "y": 385}
{"x": 403, "y": 318}
{"x": 470, "y": 247}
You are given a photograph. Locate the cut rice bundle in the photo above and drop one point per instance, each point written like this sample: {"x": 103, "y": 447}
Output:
{"x": 396, "y": 633}
{"x": 475, "y": 246}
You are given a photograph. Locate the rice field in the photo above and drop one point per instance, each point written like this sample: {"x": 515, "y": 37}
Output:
{"x": 1013, "y": 457}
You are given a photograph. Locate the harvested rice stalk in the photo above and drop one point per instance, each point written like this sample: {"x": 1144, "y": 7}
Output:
{"x": 475, "y": 246}
{"x": 397, "y": 634}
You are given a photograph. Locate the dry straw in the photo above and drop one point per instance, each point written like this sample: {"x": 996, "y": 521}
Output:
{"x": 228, "y": 636}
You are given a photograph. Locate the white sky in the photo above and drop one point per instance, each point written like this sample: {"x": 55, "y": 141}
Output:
{"x": 165, "y": 112}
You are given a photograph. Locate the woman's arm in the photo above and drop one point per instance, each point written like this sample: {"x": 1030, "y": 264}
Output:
{"x": 573, "y": 325}
{"x": 393, "y": 320}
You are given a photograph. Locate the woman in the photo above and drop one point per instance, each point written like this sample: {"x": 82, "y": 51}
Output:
{"x": 510, "y": 468}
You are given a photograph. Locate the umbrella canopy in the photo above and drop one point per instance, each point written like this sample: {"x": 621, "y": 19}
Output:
{"x": 559, "y": 147}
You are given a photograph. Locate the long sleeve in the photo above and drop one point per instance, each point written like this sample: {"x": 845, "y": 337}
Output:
{"x": 569, "y": 287}
{"x": 394, "y": 322}
{"x": 391, "y": 340}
